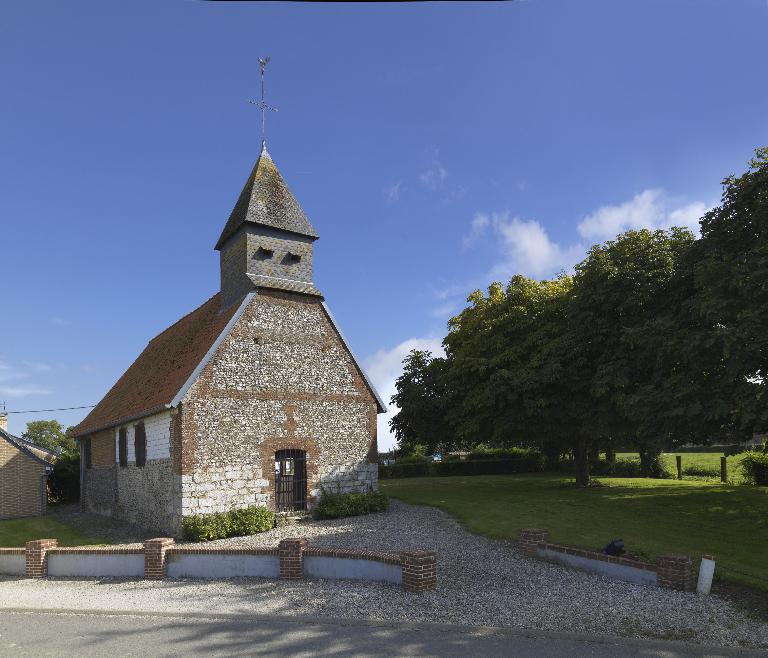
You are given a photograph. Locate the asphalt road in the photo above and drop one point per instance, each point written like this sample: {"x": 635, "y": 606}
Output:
{"x": 94, "y": 634}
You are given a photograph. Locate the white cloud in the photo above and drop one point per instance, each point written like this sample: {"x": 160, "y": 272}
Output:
{"x": 60, "y": 322}
{"x": 36, "y": 366}
{"x": 14, "y": 381}
{"x": 446, "y": 311}
{"x": 477, "y": 229}
{"x": 384, "y": 367}
{"x": 392, "y": 192}
{"x": 435, "y": 176}
{"x": 23, "y": 391}
{"x": 527, "y": 248}
{"x": 650, "y": 209}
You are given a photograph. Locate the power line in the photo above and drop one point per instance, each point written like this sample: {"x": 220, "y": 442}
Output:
{"x": 41, "y": 411}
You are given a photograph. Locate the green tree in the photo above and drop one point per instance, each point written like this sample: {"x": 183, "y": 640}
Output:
{"x": 512, "y": 368}
{"x": 731, "y": 297}
{"x": 621, "y": 290}
{"x": 420, "y": 395}
{"x": 49, "y": 434}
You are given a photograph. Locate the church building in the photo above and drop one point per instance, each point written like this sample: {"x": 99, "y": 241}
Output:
{"x": 254, "y": 398}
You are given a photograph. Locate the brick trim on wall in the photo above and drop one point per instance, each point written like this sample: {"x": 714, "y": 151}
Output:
{"x": 269, "y": 447}
{"x": 592, "y": 555}
{"x": 672, "y": 571}
{"x": 291, "y": 553}
{"x": 419, "y": 570}
{"x": 214, "y": 550}
{"x": 354, "y": 554}
{"x": 36, "y": 564}
{"x": 97, "y": 550}
{"x": 676, "y": 572}
{"x": 155, "y": 567}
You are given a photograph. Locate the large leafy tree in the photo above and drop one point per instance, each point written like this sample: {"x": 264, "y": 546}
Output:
{"x": 512, "y": 371}
{"x": 619, "y": 290}
{"x": 49, "y": 434}
{"x": 731, "y": 294}
{"x": 421, "y": 397}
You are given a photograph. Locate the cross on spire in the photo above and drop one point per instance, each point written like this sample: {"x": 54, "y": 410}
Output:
{"x": 262, "y": 104}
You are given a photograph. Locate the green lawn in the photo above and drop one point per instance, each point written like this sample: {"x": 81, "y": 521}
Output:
{"x": 16, "y": 532}
{"x": 652, "y": 516}
{"x": 708, "y": 460}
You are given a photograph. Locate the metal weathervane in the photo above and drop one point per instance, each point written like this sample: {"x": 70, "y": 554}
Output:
{"x": 262, "y": 104}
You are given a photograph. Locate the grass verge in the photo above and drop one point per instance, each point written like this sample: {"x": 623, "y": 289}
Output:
{"x": 652, "y": 516}
{"x": 17, "y": 532}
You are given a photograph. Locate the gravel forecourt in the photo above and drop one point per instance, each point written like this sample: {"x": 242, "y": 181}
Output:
{"x": 481, "y": 581}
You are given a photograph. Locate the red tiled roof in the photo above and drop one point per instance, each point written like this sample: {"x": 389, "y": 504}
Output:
{"x": 154, "y": 379}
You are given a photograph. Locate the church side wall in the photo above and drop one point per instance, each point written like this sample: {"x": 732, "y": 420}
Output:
{"x": 149, "y": 495}
{"x": 282, "y": 379}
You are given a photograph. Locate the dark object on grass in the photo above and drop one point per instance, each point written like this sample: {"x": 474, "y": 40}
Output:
{"x": 615, "y": 548}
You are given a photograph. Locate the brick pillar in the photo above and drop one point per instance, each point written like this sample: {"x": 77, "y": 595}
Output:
{"x": 530, "y": 538}
{"x": 419, "y": 570}
{"x": 291, "y": 553}
{"x": 36, "y": 555}
{"x": 675, "y": 572}
{"x": 154, "y": 557}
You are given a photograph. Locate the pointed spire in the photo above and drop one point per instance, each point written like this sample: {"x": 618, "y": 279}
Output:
{"x": 266, "y": 200}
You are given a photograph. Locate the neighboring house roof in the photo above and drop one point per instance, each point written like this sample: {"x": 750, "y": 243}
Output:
{"x": 36, "y": 452}
{"x": 266, "y": 200}
{"x": 161, "y": 370}
{"x": 162, "y": 374}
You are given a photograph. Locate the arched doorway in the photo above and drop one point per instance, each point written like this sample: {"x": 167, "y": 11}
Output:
{"x": 290, "y": 480}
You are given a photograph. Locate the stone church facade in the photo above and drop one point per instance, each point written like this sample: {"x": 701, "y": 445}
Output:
{"x": 253, "y": 398}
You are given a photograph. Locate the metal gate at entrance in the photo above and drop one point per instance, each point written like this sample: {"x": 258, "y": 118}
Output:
{"x": 290, "y": 480}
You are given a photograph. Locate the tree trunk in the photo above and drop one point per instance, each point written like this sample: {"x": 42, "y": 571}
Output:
{"x": 581, "y": 458}
{"x": 649, "y": 462}
{"x": 610, "y": 455}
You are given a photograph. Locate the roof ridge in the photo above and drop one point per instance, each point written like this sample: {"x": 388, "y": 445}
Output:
{"x": 34, "y": 445}
{"x": 26, "y": 449}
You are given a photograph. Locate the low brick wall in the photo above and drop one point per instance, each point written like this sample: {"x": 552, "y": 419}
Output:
{"x": 670, "y": 571}
{"x": 96, "y": 562}
{"x": 13, "y": 561}
{"x": 292, "y": 559}
{"x": 357, "y": 565}
{"x": 209, "y": 562}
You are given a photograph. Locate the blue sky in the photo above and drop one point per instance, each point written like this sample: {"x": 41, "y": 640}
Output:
{"x": 435, "y": 148}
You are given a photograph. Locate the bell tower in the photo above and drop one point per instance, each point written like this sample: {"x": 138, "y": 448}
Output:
{"x": 267, "y": 241}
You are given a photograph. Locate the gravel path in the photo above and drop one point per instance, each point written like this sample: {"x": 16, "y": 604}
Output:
{"x": 480, "y": 582}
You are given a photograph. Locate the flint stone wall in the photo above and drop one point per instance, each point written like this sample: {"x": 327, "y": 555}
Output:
{"x": 281, "y": 379}
{"x": 98, "y": 495}
{"x": 149, "y": 496}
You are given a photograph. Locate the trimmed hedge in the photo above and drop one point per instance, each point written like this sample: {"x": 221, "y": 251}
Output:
{"x": 234, "y": 523}
{"x": 754, "y": 466}
{"x": 528, "y": 462}
{"x": 338, "y": 505}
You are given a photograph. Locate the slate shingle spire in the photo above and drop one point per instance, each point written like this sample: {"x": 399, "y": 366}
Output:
{"x": 267, "y": 240}
{"x": 266, "y": 200}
